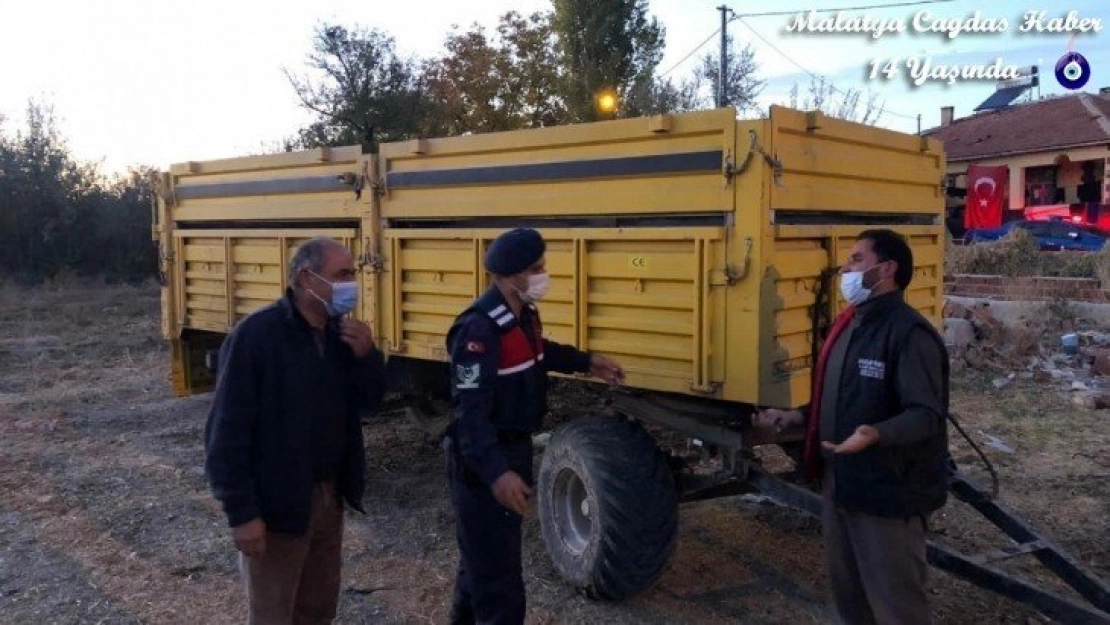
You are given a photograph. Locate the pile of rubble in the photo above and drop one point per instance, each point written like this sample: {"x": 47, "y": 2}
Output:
{"x": 1041, "y": 348}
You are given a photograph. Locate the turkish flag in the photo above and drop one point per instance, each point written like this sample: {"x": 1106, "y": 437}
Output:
{"x": 986, "y": 186}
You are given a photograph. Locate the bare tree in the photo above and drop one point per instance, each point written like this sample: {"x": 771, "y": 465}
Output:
{"x": 667, "y": 96}
{"x": 823, "y": 96}
{"x": 742, "y": 87}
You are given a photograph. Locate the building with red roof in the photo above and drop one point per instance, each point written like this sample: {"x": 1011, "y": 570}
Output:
{"x": 1057, "y": 150}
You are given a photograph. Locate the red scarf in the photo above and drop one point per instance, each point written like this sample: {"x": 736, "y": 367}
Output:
{"x": 811, "y": 457}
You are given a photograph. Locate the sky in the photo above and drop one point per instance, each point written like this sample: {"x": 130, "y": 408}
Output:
{"x": 154, "y": 83}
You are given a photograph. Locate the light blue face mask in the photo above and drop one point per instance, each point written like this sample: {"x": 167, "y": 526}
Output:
{"x": 344, "y": 296}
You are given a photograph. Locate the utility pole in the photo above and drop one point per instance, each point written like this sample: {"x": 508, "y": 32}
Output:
{"x": 722, "y": 71}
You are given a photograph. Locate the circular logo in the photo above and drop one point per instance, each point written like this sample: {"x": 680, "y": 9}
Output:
{"x": 1073, "y": 71}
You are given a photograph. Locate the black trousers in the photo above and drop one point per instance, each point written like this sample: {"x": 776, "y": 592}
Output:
{"x": 489, "y": 586}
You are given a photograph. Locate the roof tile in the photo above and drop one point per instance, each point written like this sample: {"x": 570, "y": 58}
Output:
{"x": 1054, "y": 123}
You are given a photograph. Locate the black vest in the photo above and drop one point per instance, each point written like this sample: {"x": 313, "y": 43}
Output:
{"x": 887, "y": 481}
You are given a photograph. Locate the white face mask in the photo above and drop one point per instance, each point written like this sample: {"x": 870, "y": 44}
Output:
{"x": 538, "y": 283}
{"x": 851, "y": 286}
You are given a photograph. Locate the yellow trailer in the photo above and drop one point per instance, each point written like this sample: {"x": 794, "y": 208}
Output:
{"x": 691, "y": 247}
{"x": 696, "y": 249}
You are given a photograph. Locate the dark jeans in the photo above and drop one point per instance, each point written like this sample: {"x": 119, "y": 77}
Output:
{"x": 489, "y": 586}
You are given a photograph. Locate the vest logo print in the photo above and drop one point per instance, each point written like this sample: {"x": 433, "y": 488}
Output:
{"x": 467, "y": 377}
{"x": 875, "y": 369}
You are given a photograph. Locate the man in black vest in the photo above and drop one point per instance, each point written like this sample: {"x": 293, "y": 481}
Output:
{"x": 499, "y": 364}
{"x": 880, "y": 401}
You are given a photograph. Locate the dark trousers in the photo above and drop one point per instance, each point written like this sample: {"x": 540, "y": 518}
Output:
{"x": 876, "y": 565}
{"x": 296, "y": 581}
{"x": 489, "y": 586}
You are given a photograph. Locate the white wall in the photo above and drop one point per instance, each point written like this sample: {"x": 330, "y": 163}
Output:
{"x": 1018, "y": 164}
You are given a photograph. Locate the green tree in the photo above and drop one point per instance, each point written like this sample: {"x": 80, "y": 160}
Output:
{"x": 467, "y": 87}
{"x": 607, "y": 45}
{"x": 364, "y": 92}
{"x": 742, "y": 86}
{"x": 43, "y": 228}
{"x": 125, "y": 250}
{"x": 505, "y": 82}
{"x": 58, "y": 215}
{"x": 531, "y": 48}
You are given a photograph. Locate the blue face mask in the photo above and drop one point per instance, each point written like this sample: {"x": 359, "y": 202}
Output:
{"x": 344, "y": 296}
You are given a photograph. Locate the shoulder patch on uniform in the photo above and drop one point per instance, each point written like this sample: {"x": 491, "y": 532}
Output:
{"x": 467, "y": 376}
{"x": 501, "y": 315}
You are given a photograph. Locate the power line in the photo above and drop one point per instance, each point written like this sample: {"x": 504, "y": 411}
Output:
{"x": 692, "y": 52}
{"x": 737, "y": 16}
{"x": 809, "y": 73}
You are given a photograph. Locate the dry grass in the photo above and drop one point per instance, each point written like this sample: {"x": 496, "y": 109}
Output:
{"x": 1017, "y": 254}
{"x": 108, "y": 520}
{"x": 78, "y": 341}
{"x": 1057, "y": 476}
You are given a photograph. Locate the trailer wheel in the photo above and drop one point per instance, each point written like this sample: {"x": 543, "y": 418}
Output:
{"x": 608, "y": 507}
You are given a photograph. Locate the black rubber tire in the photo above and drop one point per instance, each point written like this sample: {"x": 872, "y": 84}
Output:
{"x": 608, "y": 507}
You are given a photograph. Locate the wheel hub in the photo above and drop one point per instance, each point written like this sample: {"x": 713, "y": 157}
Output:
{"x": 572, "y": 511}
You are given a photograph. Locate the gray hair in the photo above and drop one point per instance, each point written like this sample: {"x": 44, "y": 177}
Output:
{"x": 310, "y": 255}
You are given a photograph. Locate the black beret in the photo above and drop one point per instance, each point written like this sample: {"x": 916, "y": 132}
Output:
{"x": 514, "y": 251}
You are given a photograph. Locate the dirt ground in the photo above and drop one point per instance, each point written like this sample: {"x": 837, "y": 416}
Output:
{"x": 105, "y": 515}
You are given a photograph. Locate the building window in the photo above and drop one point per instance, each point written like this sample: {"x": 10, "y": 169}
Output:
{"x": 1089, "y": 189}
{"x": 1040, "y": 187}
{"x": 952, "y": 188}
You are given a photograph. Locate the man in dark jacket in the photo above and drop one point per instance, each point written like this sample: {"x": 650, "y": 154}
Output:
{"x": 880, "y": 400}
{"x": 499, "y": 364}
{"x": 284, "y": 440}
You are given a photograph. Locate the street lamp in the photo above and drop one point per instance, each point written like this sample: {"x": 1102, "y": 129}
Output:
{"x": 607, "y": 102}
